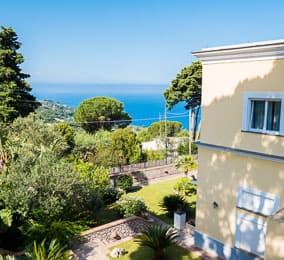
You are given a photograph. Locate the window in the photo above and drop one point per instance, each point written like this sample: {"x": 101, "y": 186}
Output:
{"x": 256, "y": 201}
{"x": 263, "y": 113}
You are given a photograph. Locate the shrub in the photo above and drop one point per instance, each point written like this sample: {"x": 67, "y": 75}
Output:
{"x": 129, "y": 206}
{"x": 110, "y": 195}
{"x": 124, "y": 182}
{"x": 52, "y": 250}
{"x": 187, "y": 163}
{"x": 191, "y": 211}
{"x": 155, "y": 155}
{"x": 63, "y": 231}
{"x": 158, "y": 238}
{"x": 173, "y": 202}
{"x": 183, "y": 187}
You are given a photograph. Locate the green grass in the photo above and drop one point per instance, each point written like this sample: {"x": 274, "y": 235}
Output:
{"x": 136, "y": 252}
{"x": 153, "y": 196}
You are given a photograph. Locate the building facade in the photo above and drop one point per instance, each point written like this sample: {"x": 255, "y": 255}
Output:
{"x": 241, "y": 151}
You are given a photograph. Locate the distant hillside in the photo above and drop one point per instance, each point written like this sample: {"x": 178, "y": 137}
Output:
{"x": 52, "y": 112}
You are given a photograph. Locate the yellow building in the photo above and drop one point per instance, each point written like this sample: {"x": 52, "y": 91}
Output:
{"x": 241, "y": 151}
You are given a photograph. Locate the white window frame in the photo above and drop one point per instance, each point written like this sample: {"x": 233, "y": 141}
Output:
{"x": 238, "y": 236}
{"x": 262, "y": 196}
{"x": 247, "y": 113}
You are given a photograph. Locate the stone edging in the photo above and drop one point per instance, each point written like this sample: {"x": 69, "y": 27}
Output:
{"x": 128, "y": 227}
{"x": 109, "y": 225}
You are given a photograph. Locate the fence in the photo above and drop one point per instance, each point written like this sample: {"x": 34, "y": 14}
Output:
{"x": 143, "y": 165}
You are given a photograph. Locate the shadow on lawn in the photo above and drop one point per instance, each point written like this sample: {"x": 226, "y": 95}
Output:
{"x": 174, "y": 252}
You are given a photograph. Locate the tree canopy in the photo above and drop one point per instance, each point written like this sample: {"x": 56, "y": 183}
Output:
{"x": 15, "y": 97}
{"x": 101, "y": 113}
{"x": 185, "y": 87}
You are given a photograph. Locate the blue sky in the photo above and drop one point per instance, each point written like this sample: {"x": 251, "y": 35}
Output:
{"x": 131, "y": 41}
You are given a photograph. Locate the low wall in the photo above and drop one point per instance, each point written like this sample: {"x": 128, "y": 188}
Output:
{"x": 142, "y": 176}
{"x": 128, "y": 227}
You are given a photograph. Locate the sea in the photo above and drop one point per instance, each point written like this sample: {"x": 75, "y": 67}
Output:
{"x": 144, "y": 103}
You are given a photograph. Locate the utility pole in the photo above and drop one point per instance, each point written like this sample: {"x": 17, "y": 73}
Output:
{"x": 166, "y": 143}
{"x": 160, "y": 130}
{"x": 189, "y": 133}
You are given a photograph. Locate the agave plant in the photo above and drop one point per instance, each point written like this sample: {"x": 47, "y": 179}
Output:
{"x": 158, "y": 238}
{"x": 52, "y": 251}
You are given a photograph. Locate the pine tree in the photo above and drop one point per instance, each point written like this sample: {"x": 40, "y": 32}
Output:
{"x": 15, "y": 97}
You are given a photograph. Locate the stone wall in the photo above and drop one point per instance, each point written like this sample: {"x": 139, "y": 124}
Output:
{"x": 128, "y": 227}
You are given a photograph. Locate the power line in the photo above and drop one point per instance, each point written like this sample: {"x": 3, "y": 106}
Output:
{"x": 123, "y": 120}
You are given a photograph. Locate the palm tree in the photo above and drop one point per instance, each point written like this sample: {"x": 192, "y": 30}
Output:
{"x": 187, "y": 163}
{"x": 158, "y": 238}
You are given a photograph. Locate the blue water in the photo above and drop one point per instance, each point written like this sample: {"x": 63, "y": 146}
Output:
{"x": 144, "y": 108}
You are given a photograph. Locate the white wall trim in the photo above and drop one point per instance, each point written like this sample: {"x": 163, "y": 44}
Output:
{"x": 243, "y": 52}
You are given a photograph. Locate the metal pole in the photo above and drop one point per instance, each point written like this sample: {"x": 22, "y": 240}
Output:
{"x": 166, "y": 145}
{"x": 189, "y": 132}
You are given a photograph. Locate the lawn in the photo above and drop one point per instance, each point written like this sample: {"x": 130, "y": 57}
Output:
{"x": 153, "y": 196}
{"x": 136, "y": 252}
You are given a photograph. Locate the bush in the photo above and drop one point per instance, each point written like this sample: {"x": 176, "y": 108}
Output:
{"x": 155, "y": 155}
{"x": 172, "y": 202}
{"x": 129, "y": 206}
{"x": 158, "y": 238}
{"x": 191, "y": 211}
{"x": 124, "y": 182}
{"x": 183, "y": 187}
{"x": 63, "y": 231}
{"x": 110, "y": 195}
{"x": 183, "y": 148}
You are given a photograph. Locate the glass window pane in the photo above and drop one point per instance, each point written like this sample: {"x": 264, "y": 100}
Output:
{"x": 257, "y": 119}
{"x": 273, "y": 115}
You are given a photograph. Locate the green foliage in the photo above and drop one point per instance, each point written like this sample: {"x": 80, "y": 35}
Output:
{"x": 28, "y": 139}
{"x": 67, "y": 132}
{"x": 184, "y": 187}
{"x": 158, "y": 238}
{"x": 52, "y": 112}
{"x": 85, "y": 142}
{"x": 124, "y": 182}
{"x": 152, "y": 155}
{"x": 143, "y": 135}
{"x": 8, "y": 257}
{"x": 15, "y": 97}
{"x": 158, "y": 128}
{"x": 48, "y": 191}
{"x": 125, "y": 147}
{"x": 110, "y": 195}
{"x": 187, "y": 163}
{"x": 186, "y": 87}
{"x": 98, "y": 176}
{"x": 183, "y": 148}
{"x": 173, "y": 202}
{"x": 52, "y": 250}
{"x": 129, "y": 206}
{"x": 6, "y": 219}
{"x": 100, "y": 113}
{"x": 63, "y": 231}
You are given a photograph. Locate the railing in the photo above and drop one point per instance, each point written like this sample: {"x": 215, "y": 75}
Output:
{"x": 142, "y": 165}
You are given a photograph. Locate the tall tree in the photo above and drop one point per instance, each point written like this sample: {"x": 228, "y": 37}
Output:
{"x": 101, "y": 113}
{"x": 186, "y": 87}
{"x": 15, "y": 97}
